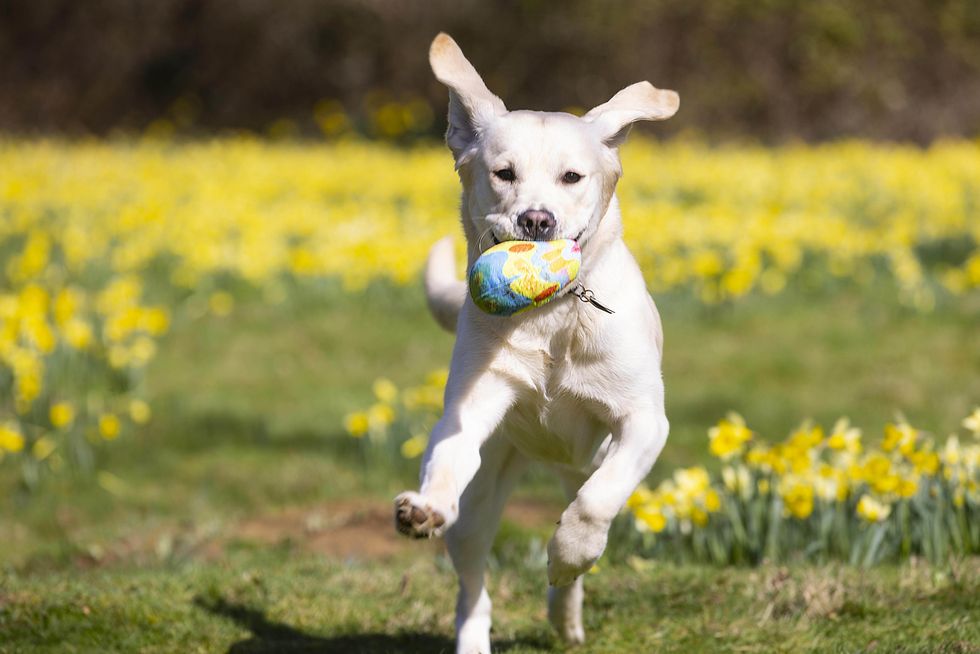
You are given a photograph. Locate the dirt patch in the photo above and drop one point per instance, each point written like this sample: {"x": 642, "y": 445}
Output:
{"x": 345, "y": 530}
{"x": 360, "y": 530}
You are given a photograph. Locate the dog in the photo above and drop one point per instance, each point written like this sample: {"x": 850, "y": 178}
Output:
{"x": 568, "y": 384}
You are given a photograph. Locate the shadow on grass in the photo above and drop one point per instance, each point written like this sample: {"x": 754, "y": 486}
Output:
{"x": 274, "y": 638}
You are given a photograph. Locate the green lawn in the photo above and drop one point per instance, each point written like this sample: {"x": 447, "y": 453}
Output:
{"x": 269, "y": 603}
{"x": 227, "y": 525}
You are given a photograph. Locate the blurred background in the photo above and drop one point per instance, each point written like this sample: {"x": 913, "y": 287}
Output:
{"x": 217, "y": 366}
{"x": 906, "y": 70}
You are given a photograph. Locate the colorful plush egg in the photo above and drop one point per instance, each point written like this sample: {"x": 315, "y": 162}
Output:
{"x": 515, "y": 276}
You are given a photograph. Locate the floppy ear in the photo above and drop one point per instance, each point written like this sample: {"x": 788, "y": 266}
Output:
{"x": 471, "y": 104}
{"x": 640, "y": 101}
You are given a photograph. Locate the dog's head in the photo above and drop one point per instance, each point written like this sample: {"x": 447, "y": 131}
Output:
{"x": 533, "y": 175}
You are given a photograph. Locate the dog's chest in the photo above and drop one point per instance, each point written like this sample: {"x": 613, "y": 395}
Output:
{"x": 558, "y": 430}
{"x": 558, "y": 416}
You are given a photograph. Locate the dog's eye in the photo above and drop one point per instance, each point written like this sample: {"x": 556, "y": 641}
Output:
{"x": 505, "y": 174}
{"x": 570, "y": 177}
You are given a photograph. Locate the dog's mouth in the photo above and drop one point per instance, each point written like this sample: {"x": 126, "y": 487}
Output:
{"x": 497, "y": 241}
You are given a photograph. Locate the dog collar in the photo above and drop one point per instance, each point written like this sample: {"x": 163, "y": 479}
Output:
{"x": 586, "y": 295}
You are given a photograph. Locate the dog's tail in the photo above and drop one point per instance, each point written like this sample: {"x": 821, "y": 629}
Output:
{"x": 443, "y": 291}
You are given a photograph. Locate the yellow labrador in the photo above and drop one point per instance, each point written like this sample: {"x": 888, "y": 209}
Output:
{"x": 566, "y": 384}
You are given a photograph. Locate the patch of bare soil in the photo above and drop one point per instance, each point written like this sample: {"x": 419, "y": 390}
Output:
{"x": 357, "y": 529}
{"x": 353, "y": 529}
{"x": 349, "y": 529}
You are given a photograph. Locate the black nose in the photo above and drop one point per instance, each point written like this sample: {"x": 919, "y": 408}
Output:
{"x": 537, "y": 224}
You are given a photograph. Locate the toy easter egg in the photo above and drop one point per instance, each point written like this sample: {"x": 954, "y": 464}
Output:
{"x": 515, "y": 276}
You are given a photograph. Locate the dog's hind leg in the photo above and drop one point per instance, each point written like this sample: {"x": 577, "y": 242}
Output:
{"x": 565, "y": 603}
{"x": 470, "y": 539}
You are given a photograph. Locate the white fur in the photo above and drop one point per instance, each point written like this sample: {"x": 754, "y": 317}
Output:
{"x": 565, "y": 384}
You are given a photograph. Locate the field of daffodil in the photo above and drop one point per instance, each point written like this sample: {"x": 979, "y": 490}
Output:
{"x": 820, "y": 495}
{"x": 816, "y": 495}
{"x": 104, "y": 245}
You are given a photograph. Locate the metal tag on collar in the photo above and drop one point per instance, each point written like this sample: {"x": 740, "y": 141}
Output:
{"x": 586, "y": 295}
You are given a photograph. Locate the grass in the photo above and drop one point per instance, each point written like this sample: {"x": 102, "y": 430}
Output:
{"x": 201, "y": 539}
{"x": 266, "y": 603}
{"x": 298, "y": 367}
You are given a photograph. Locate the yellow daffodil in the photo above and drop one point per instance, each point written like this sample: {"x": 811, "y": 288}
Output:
{"x": 925, "y": 462}
{"x": 907, "y": 487}
{"x": 763, "y": 486}
{"x": 844, "y": 437}
{"x": 414, "y": 446}
{"x": 738, "y": 480}
{"x": 385, "y": 390}
{"x": 692, "y": 481}
{"x": 356, "y": 424}
{"x": 952, "y": 454}
{"x": 139, "y": 411}
{"x": 797, "y": 497}
{"x": 712, "y": 501}
{"x": 11, "y": 439}
{"x": 872, "y": 510}
{"x": 972, "y": 422}
{"x": 109, "y": 426}
{"x": 639, "y": 497}
{"x": 729, "y": 437}
{"x": 380, "y": 415}
{"x": 651, "y": 519}
{"x": 77, "y": 333}
{"x": 901, "y": 437}
{"x": 438, "y": 378}
{"x": 61, "y": 414}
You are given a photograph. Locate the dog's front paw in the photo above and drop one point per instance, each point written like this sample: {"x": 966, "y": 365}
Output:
{"x": 416, "y": 517}
{"x": 576, "y": 546}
